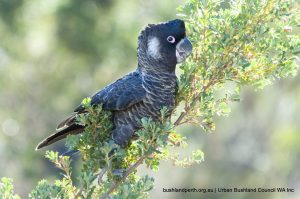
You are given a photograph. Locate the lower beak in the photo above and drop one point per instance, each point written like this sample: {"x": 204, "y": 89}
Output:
{"x": 183, "y": 49}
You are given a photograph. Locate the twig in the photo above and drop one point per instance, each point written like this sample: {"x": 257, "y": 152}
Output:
{"x": 101, "y": 174}
{"x": 81, "y": 188}
{"x": 128, "y": 172}
{"x": 78, "y": 193}
{"x": 194, "y": 101}
{"x": 196, "y": 97}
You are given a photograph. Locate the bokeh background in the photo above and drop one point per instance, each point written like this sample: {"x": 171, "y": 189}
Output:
{"x": 53, "y": 53}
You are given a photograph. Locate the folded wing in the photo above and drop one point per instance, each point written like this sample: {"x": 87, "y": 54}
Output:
{"x": 117, "y": 96}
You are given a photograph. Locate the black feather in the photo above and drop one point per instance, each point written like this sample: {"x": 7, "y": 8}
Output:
{"x": 73, "y": 129}
{"x": 67, "y": 122}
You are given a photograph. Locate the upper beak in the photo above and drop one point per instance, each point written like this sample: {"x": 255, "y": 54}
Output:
{"x": 183, "y": 49}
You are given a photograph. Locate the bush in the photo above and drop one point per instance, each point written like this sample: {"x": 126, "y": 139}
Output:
{"x": 236, "y": 43}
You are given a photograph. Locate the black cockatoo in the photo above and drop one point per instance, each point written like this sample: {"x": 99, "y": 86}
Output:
{"x": 143, "y": 92}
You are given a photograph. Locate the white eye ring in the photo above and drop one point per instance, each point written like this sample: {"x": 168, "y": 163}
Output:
{"x": 171, "y": 39}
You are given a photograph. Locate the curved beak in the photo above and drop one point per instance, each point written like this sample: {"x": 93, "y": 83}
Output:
{"x": 183, "y": 49}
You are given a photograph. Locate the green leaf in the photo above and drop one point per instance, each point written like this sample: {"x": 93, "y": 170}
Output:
{"x": 7, "y": 189}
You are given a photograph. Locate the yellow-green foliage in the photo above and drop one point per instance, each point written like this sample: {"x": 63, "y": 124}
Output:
{"x": 238, "y": 43}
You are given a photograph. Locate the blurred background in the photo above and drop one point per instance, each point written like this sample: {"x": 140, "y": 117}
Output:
{"x": 53, "y": 53}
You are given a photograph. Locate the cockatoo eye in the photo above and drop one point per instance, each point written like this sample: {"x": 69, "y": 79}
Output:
{"x": 171, "y": 39}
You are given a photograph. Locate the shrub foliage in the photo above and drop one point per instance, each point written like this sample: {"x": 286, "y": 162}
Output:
{"x": 236, "y": 43}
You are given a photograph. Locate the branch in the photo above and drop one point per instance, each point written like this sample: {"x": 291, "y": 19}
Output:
{"x": 193, "y": 103}
{"x": 196, "y": 97}
{"x": 128, "y": 172}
